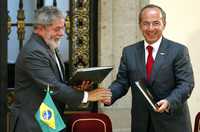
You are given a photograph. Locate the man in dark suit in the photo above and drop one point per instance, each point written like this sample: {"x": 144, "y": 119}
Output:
{"x": 38, "y": 63}
{"x": 165, "y": 65}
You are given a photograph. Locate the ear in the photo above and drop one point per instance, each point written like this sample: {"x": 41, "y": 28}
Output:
{"x": 164, "y": 23}
{"x": 39, "y": 29}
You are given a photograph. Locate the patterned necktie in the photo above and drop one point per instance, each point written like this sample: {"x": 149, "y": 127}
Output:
{"x": 150, "y": 62}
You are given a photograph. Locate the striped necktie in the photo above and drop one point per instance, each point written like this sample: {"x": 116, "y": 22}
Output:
{"x": 58, "y": 65}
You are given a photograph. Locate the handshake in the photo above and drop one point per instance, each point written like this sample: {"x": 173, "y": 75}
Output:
{"x": 102, "y": 95}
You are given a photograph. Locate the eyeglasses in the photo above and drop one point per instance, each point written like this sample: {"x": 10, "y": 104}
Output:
{"x": 58, "y": 29}
{"x": 148, "y": 24}
{"x": 156, "y": 23}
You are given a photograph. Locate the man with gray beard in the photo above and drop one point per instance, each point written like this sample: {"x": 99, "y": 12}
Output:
{"x": 38, "y": 63}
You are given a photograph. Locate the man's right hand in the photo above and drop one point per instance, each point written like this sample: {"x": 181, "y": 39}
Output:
{"x": 106, "y": 102}
{"x": 99, "y": 94}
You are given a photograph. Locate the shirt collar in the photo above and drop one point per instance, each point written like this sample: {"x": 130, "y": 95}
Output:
{"x": 154, "y": 45}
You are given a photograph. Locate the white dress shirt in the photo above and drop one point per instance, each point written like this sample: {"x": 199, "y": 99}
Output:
{"x": 155, "y": 46}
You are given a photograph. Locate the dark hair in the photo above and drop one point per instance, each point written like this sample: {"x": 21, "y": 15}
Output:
{"x": 152, "y": 6}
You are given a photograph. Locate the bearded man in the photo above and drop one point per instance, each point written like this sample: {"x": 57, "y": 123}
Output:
{"x": 38, "y": 62}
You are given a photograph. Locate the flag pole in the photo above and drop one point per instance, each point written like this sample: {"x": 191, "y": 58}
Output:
{"x": 47, "y": 87}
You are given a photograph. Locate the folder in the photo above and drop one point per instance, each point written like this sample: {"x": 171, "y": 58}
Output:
{"x": 146, "y": 93}
{"x": 93, "y": 74}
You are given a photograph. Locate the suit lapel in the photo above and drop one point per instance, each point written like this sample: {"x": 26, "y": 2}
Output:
{"x": 51, "y": 54}
{"x": 141, "y": 59}
{"x": 61, "y": 61}
{"x": 160, "y": 59}
{"x": 55, "y": 68}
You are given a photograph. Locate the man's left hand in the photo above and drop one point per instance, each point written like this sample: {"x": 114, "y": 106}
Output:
{"x": 84, "y": 86}
{"x": 163, "y": 106}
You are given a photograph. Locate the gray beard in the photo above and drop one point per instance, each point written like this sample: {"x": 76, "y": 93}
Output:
{"x": 53, "y": 44}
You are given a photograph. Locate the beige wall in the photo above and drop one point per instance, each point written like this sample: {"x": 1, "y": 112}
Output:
{"x": 117, "y": 28}
{"x": 183, "y": 25}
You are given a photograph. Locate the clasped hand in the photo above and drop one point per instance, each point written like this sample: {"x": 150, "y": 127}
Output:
{"x": 163, "y": 106}
{"x": 99, "y": 94}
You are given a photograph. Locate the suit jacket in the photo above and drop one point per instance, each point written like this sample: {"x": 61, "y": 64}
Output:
{"x": 36, "y": 64}
{"x": 171, "y": 79}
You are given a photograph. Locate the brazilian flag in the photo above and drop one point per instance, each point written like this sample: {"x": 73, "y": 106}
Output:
{"x": 48, "y": 116}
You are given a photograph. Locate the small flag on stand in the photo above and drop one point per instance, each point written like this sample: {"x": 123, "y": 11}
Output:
{"x": 48, "y": 116}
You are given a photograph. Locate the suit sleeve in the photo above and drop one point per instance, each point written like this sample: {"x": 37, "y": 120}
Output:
{"x": 121, "y": 85}
{"x": 184, "y": 79}
{"x": 37, "y": 65}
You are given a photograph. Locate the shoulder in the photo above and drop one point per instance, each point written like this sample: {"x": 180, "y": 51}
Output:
{"x": 176, "y": 49}
{"x": 34, "y": 45}
{"x": 134, "y": 46}
{"x": 33, "y": 51}
{"x": 173, "y": 44}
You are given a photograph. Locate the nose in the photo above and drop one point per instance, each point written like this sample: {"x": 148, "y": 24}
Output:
{"x": 61, "y": 32}
{"x": 151, "y": 27}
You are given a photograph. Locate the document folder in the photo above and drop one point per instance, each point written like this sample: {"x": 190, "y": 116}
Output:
{"x": 146, "y": 93}
{"x": 94, "y": 74}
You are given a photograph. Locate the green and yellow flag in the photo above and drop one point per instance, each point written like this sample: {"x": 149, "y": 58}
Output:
{"x": 48, "y": 116}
